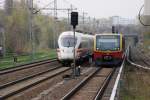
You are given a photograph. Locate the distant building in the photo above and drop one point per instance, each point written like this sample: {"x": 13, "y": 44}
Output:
{"x": 146, "y": 12}
{"x": 147, "y": 7}
{"x": 117, "y": 20}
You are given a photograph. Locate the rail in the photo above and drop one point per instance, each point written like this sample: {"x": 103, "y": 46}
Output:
{"x": 77, "y": 87}
{"x": 115, "y": 89}
{"x": 12, "y": 91}
{"x": 26, "y": 78}
{"x": 104, "y": 86}
{"x": 116, "y": 86}
{"x": 25, "y": 66}
{"x": 88, "y": 80}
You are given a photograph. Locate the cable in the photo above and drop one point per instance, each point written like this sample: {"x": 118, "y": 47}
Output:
{"x": 43, "y": 7}
{"x": 47, "y": 5}
{"x": 69, "y": 3}
{"x": 139, "y": 16}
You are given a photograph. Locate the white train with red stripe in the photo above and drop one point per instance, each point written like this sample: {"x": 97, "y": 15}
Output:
{"x": 83, "y": 47}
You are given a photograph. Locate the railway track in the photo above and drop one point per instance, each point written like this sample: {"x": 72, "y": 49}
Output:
{"x": 26, "y": 78}
{"x": 92, "y": 87}
{"x": 18, "y": 86}
{"x": 25, "y": 66}
{"x": 22, "y": 72}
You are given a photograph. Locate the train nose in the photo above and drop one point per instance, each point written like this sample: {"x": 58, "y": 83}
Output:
{"x": 66, "y": 54}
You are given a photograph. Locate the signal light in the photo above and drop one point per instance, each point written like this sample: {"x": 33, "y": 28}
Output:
{"x": 74, "y": 19}
{"x": 113, "y": 29}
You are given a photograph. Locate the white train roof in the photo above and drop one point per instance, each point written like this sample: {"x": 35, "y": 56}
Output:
{"x": 77, "y": 34}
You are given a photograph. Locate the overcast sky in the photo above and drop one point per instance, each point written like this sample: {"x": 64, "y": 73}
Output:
{"x": 102, "y": 8}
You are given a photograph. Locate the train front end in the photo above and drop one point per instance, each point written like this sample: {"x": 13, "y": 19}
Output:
{"x": 66, "y": 47}
{"x": 108, "y": 49}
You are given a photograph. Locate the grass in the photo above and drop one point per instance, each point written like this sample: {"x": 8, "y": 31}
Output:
{"x": 8, "y": 61}
{"x": 136, "y": 84}
{"x": 147, "y": 42}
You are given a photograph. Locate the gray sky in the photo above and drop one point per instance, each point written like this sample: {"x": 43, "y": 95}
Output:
{"x": 102, "y": 8}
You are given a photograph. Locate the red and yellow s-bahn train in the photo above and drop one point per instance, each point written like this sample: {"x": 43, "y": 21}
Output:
{"x": 109, "y": 49}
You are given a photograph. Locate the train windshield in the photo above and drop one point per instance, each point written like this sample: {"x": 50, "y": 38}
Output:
{"x": 109, "y": 42}
{"x": 68, "y": 41}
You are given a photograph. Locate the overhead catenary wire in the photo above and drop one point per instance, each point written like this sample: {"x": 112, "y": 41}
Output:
{"x": 47, "y": 5}
{"x": 72, "y": 7}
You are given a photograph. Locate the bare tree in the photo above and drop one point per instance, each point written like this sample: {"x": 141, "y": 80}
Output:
{"x": 8, "y": 6}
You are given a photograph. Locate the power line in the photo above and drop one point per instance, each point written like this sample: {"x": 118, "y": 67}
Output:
{"x": 48, "y": 4}
{"x": 55, "y": 9}
{"x": 73, "y": 6}
{"x": 44, "y": 7}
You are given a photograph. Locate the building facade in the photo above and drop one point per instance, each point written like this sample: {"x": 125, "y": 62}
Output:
{"x": 147, "y": 7}
{"x": 146, "y": 12}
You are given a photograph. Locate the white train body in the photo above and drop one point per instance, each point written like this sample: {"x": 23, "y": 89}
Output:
{"x": 83, "y": 46}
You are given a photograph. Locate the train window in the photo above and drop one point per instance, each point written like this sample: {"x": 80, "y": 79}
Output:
{"x": 110, "y": 43}
{"x": 68, "y": 41}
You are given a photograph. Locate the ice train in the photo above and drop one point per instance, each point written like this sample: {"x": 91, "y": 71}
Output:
{"x": 84, "y": 45}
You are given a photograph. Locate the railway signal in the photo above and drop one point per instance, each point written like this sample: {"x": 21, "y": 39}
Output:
{"x": 74, "y": 19}
{"x": 113, "y": 29}
{"x": 74, "y": 23}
